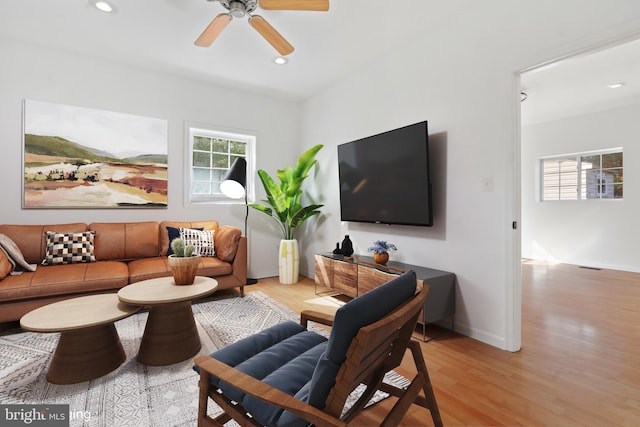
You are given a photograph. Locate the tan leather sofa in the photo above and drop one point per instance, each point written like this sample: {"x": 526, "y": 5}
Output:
{"x": 125, "y": 253}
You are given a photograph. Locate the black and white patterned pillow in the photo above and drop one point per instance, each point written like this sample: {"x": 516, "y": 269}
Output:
{"x": 202, "y": 240}
{"x": 69, "y": 248}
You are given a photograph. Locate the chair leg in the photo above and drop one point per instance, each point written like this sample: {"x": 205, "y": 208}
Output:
{"x": 418, "y": 359}
{"x": 203, "y": 400}
{"x": 403, "y": 404}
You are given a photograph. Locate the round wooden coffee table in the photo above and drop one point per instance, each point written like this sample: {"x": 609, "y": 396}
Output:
{"x": 170, "y": 335}
{"x": 89, "y": 346}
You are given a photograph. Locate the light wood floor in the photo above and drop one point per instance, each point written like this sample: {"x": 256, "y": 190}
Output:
{"x": 579, "y": 364}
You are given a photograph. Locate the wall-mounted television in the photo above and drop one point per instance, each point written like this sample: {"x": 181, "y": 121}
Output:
{"x": 385, "y": 179}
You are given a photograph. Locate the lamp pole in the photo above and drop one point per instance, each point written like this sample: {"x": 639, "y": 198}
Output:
{"x": 234, "y": 186}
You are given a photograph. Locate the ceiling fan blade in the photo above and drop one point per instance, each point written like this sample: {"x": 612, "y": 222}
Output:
{"x": 213, "y": 30}
{"x": 317, "y": 5}
{"x": 271, "y": 35}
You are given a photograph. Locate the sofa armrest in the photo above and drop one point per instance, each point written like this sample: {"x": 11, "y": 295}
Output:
{"x": 239, "y": 264}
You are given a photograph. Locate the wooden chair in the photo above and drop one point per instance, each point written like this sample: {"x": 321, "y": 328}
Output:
{"x": 311, "y": 388}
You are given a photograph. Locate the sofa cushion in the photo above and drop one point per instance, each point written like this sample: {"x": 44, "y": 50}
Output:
{"x": 65, "y": 279}
{"x": 227, "y": 239}
{"x": 125, "y": 240}
{"x": 31, "y": 240}
{"x": 164, "y": 234}
{"x": 174, "y": 233}
{"x": 5, "y": 265}
{"x": 69, "y": 248}
{"x": 201, "y": 240}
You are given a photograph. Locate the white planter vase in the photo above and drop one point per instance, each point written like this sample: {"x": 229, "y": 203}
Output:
{"x": 289, "y": 264}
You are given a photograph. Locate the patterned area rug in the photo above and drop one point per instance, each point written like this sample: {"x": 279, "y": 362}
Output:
{"x": 134, "y": 394}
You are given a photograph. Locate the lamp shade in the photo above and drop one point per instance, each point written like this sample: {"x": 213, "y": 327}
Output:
{"x": 233, "y": 183}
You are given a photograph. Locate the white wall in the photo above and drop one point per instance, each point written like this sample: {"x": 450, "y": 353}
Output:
{"x": 461, "y": 78}
{"x": 595, "y": 233}
{"x": 31, "y": 72}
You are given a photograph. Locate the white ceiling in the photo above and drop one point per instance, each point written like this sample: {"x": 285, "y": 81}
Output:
{"x": 578, "y": 85}
{"x": 159, "y": 34}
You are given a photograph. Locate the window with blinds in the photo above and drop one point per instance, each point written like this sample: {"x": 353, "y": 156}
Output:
{"x": 582, "y": 176}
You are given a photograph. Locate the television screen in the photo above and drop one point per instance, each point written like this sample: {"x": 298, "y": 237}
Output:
{"x": 385, "y": 178}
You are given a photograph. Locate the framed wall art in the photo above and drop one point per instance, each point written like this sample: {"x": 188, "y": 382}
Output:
{"x": 84, "y": 158}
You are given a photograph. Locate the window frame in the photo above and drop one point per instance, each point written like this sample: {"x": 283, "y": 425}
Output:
{"x": 199, "y": 129}
{"x": 582, "y": 185}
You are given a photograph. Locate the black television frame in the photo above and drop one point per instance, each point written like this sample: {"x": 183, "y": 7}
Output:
{"x": 374, "y": 150}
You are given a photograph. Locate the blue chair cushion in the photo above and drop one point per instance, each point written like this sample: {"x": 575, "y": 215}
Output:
{"x": 283, "y": 355}
{"x": 357, "y": 313}
{"x": 290, "y": 378}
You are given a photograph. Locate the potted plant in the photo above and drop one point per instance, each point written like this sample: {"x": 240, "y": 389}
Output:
{"x": 283, "y": 204}
{"x": 183, "y": 262}
{"x": 381, "y": 250}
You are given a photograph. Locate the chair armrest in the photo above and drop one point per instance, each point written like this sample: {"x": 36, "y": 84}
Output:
{"x": 256, "y": 388}
{"x": 316, "y": 316}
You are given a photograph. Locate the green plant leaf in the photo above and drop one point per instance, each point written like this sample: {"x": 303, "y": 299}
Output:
{"x": 303, "y": 214}
{"x": 262, "y": 208}
{"x": 283, "y": 199}
{"x": 276, "y": 198}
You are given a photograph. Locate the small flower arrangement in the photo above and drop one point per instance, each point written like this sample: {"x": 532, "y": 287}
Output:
{"x": 381, "y": 246}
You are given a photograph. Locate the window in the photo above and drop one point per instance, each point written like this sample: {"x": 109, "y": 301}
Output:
{"x": 593, "y": 175}
{"x": 211, "y": 154}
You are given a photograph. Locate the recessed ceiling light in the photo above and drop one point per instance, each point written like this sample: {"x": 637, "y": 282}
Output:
{"x": 104, "y": 6}
{"x": 616, "y": 85}
{"x": 280, "y": 60}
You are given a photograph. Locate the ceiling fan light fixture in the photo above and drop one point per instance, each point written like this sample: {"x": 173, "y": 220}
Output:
{"x": 237, "y": 9}
{"x": 242, "y": 8}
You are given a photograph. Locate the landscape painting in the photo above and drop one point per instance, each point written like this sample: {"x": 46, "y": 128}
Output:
{"x": 84, "y": 158}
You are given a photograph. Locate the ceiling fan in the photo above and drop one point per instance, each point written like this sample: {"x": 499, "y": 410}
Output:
{"x": 240, "y": 8}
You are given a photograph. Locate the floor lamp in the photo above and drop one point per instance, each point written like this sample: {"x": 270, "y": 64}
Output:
{"x": 233, "y": 185}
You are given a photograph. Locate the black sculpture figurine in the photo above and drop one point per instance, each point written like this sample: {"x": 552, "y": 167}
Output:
{"x": 337, "y": 250}
{"x": 347, "y": 246}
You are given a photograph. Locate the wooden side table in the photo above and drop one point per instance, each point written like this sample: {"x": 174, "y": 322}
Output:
{"x": 89, "y": 346}
{"x": 170, "y": 335}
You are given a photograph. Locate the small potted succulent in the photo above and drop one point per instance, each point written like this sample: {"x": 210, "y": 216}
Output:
{"x": 381, "y": 250}
{"x": 183, "y": 262}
